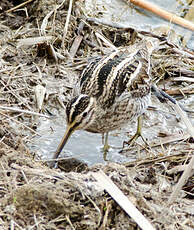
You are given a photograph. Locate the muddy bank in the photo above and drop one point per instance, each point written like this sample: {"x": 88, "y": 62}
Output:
{"x": 33, "y": 196}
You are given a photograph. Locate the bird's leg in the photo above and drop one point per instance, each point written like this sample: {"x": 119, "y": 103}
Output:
{"x": 137, "y": 134}
{"x": 106, "y": 146}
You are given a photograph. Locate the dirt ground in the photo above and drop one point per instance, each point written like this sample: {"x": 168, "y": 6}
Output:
{"x": 33, "y": 196}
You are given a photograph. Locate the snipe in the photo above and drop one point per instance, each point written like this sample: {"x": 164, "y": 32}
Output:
{"x": 114, "y": 90}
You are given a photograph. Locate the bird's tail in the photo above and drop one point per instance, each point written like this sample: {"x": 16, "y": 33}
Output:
{"x": 164, "y": 98}
{"x": 161, "y": 95}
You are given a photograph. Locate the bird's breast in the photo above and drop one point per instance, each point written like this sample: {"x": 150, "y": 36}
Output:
{"x": 119, "y": 115}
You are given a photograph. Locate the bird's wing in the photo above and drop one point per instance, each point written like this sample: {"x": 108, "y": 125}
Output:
{"x": 96, "y": 73}
{"x": 119, "y": 72}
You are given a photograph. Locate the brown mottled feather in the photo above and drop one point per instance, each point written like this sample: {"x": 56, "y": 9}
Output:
{"x": 114, "y": 90}
{"x": 106, "y": 79}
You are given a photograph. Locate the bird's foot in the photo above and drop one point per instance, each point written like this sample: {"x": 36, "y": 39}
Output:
{"x": 131, "y": 142}
{"x": 137, "y": 135}
{"x": 134, "y": 138}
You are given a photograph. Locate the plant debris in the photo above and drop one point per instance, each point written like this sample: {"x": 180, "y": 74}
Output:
{"x": 35, "y": 53}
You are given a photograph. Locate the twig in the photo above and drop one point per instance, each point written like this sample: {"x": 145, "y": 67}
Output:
{"x": 15, "y": 90}
{"x": 69, "y": 221}
{"x": 177, "y": 169}
{"x": 180, "y": 111}
{"x": 33, "y": 41}
{"x": 18, "y": 6}
{"x": 24, "y": 176}
{"x": 106, "y": 41}
{"x": 106, "y": 183}
{"x": 46, "y": 18}
{"x": 76, "y": 43}
{"x": 185, "y": 119}
{"x": 59, "y": 159}
{"x": 178, "y": 92}
{"x": 163, "y": 13}
{"x": 10, "y": 118}
{"x": 152, "y": 160}
{"x": 186, "y": 79}
{"x": 16, "y": 96}
{"x": 2, "y": 139}
{"x": 105, "y": 219}
{"x": 97, "y": 208}
{"x": 14, "y": 224}
{"x": 23, "y": 111}
{"x": 169, "y": 139}
{"x": 67, "y": 22}
{"x": 35, "y": 226}
{"x": 182, "y": 180}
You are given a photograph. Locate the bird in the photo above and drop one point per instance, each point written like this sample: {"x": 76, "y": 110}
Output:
{"x": 114, "y": 90}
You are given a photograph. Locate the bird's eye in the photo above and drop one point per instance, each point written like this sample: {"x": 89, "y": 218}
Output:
{"x": 85, "y": 114}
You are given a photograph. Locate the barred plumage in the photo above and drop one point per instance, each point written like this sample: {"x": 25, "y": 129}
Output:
{"x": 109, "y": 77}
{"x": 114, "y": 90}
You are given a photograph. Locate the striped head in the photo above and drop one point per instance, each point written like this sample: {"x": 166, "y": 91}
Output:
{"x": 80, "y": 113}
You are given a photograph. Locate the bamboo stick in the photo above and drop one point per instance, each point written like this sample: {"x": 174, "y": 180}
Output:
{"x": 163, "y": 13}
{"x": 106, "y": 183}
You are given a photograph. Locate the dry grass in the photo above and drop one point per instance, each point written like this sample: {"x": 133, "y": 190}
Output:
{"x": 32, "y": 196}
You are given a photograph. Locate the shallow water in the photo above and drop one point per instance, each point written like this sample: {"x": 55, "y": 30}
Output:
{"x": 87, "y": 146}
{"x": 119, "y": 13}
{"x": 81, "y": 145}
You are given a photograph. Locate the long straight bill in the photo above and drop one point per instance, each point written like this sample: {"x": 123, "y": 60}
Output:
{"x": 64, "y": 140}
